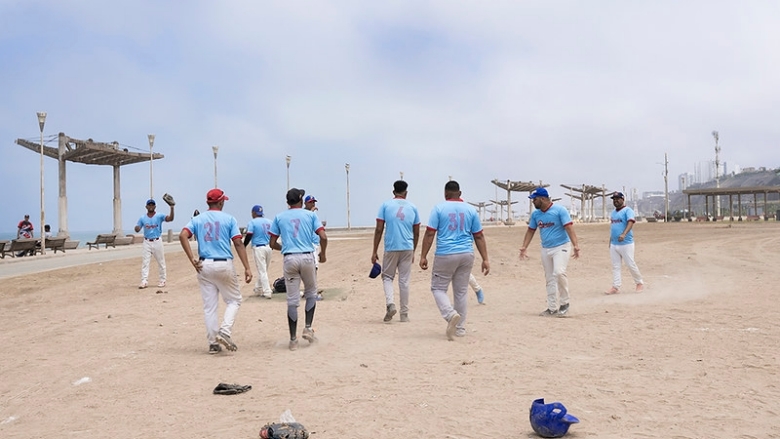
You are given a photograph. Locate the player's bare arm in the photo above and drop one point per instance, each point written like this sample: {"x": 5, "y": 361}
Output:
{"x": 426, "y": 247}
{"x": 481, "y": 243}
{"x": 529, "y": 234}
{"x": 378, "y": 230}
{"x": 241, "y": 250}
{"x": 184, "y": 240}
{"x": 323, "y": 244}
{"x": 274, "y": 243}
{"x": 573, "y": 237}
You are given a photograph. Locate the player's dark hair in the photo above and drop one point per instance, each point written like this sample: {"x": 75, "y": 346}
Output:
{"x": 452, "y": 186}
{"x": 294, "y": 196}
{"x": 400, "y": 186}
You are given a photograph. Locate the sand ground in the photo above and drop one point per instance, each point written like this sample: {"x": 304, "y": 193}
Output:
{"x": 88, "y": 355}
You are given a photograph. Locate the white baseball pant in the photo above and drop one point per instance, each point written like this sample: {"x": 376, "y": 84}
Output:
{"x": 624, "y": 253}
{"x": 262, "y": 262}
{"x": 153, "y": 248}
{"x": 554, "y": 261}
{"x": 215, "y": 279}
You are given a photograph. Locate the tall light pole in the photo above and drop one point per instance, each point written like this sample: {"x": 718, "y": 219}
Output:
{"x": 41, "y": 123}
{"x": 717, "y": 174}
{"x": 666, "y": 187}
{"x": 151, "y": 159}
{"x": 288, "y": 159}
{"x": 215, "y": 149}
{"x": 349, "y": 226}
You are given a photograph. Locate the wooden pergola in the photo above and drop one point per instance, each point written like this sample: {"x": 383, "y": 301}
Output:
{"x": 515, "y": 186}
{"x": 713, "y": 193}
{"x": 91, "y": 153}
{"x": 587, "y": 195}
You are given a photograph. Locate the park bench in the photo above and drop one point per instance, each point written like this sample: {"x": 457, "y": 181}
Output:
{"x": 19, "y": 245}
{"x": 55, "y": 243}
{"x": 106, "y": 239}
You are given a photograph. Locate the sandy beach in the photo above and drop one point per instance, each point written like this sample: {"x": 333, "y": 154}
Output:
{"x": 89, "y": 355}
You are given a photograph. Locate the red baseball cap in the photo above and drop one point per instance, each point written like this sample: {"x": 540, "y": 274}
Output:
{"x": 216, "y": 195}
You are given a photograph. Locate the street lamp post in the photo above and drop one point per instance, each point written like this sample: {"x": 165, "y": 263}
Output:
{"x": 349, "y": 226}
{"x": 41, "y": 123}
{"x": 666, "y": 188}
{"x": 287, "y": 159}
{"x": 717, "y": 174}
{"x": 215, "y": 149}
{"x": 151, "y": 159}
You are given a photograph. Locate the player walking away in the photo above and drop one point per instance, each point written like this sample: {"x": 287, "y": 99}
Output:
{"x": 557, "y": 236}
{"x": 257, "y": 232}
{"x": 151, "y": 224}
{"x": 457, "y": 228}
{"x": 309, "y": 203}
{"x": 621, "y": 244}
{"x": 214, "y": 230}
{"x": 477, "y": 289}
{"x": 295, "y": 227}
{"x": 402, "y": 221}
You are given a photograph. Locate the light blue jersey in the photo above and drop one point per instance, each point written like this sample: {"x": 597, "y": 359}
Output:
{"x": 551, "y": 225}
{"x": 315, "y": 238}
{"x": 620, "y": 219}
{"x": 399, "y": 217}
{"x": 455, "y": 223}
{"x": 295, "y": 226}
{"x": 152, "y": 227}
{"x": 214, "y": 230}
{"x": 259, "y": 228}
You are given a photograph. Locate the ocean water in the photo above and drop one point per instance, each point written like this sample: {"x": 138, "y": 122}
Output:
{"x": 82, "y": 237}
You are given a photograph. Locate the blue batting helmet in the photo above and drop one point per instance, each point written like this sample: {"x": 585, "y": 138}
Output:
{"x": 376, "y": 270}
{"x": 550, "y": 420}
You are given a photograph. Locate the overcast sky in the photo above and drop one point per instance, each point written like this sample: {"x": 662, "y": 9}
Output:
{"x": 563, "y": 92}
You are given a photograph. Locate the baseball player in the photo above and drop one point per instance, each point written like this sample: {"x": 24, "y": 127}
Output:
{"x": 309, "y": 203}
{"x": 295, "y": 227}
{"x": 214, "y": 230}
{"x": 457, "y": 229}
{"x": 621, "y": 244}
{"x": 151, "y": 224}
{"x": 257, "y": 233}
{"x": 402, "y": 221}
{"x": 557, "y": 236}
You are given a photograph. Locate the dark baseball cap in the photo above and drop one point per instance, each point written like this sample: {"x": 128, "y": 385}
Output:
{"x": 617, "y": 195}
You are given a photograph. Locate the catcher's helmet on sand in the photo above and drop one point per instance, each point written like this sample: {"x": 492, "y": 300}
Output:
{"x": 550, "y": 420}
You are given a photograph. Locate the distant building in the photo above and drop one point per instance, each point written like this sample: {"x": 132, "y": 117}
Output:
{"x": 684, "y": 181}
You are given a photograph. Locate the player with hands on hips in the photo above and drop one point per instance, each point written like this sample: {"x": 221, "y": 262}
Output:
{"x": 295, "y": 227}
{"x": 457, "y": 229}
{"x": 557, "y": 236}
{"x": 215, "y": 230}
{"x": 621, "y": 244}
{"x": 151, "y": 224}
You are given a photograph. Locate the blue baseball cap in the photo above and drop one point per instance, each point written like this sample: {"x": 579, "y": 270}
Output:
{"x": 539, "y": 192}
{"x": 617, "y": 195}
{"x": 309, "y": 199}
{"x": 151, "y": 201}
{"x": 376, "y": 269}
{"x": 257, "y": 209}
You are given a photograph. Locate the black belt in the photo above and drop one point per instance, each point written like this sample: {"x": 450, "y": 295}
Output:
{"x": 298, "y": 253}
{"x": 213, "y": 259}
{"x": 261, "y": 245}
{"x": 155, "y": 239}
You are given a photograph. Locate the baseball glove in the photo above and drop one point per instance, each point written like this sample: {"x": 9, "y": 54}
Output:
{"x": 286, "y": 430}
{"x": 230, "y": 389}
{"x": 168, "y": 198}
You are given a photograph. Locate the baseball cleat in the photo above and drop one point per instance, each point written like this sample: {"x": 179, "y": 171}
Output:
{"x": 294, "y": 344}
{"x": 226, "y": 341}
{"x": 390, "y": 312}
{"x": 640, "y": 288}
{"x": 308, "y": 335}
{"x": 549, "y": 313}
{"x": 451, "y": 326}
{"x": 215, "y": 348}
{"x": 142, "y": 286}
{"x": 563, "y": 310}
{"x": 612, "y": 290}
